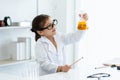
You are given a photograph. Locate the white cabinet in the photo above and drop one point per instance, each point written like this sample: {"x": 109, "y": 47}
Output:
{"x": 23, "y": 69}
{"x": 19, "y": 11}
{"x": 9, "y": 35}
{"x": 8, "y": 62}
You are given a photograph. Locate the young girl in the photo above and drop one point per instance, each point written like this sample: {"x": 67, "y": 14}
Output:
{"x": 50, "y": 44}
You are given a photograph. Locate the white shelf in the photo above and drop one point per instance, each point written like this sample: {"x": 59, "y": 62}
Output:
{"x": 13, "y": 27}
{"x": 8, "y": 62}
{"x": 15, "y": 32}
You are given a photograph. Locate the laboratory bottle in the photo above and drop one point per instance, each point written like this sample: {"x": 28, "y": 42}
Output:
{"x": 82, "y": 23}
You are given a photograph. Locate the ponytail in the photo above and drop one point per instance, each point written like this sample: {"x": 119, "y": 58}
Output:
{"x": 37, "y": 36}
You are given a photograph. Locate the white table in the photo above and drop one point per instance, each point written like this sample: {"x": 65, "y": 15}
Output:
{"x": 73, "y": 74}
{"x": 82, "y": 73}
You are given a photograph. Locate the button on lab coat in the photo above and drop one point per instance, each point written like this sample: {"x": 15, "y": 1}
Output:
{"x": 48, "y": 57}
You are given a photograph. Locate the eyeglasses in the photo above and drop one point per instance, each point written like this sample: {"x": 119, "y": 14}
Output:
{"x": 50, "y": 26}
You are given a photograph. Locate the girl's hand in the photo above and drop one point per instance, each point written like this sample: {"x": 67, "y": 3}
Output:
{"x": 66, "y": 68}
{"x": 84, "y": 16}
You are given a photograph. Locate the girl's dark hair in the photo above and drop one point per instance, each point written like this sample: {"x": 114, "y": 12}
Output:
{"x": 38, "y": 23}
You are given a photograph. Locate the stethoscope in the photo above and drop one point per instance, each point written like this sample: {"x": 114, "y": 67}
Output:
{"x": 99, "y": 75}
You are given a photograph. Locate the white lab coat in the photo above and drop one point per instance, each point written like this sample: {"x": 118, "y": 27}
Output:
{"x": 48, "y": 56}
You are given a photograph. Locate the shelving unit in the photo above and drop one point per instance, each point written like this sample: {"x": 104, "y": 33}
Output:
{"x": 19, "y": 12}
{"x": 8, "y": 62}
{"x": 10, "y": 34}
{"x": 13, "y": 27}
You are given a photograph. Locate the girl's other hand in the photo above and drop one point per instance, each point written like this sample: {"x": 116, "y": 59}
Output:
{"x": 66, "y": 68}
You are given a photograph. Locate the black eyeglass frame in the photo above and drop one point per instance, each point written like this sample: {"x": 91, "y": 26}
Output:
{"x": 49, "y": 27}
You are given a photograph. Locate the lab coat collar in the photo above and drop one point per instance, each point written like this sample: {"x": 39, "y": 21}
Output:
{"x": 44, "y": 39}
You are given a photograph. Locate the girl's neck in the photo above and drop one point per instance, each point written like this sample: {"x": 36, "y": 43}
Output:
{"x": 51, "y": 38}
{"x": 53, "y": 41}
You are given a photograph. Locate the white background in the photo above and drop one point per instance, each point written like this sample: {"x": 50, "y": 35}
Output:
{"x": 102, "y": 41}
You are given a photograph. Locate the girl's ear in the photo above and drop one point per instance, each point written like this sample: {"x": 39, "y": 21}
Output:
{"x": 40, "y": 32}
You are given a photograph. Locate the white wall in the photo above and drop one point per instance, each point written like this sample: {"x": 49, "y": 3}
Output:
{"x": 45, "y": 7}
{"x": 18, "y": 10}
{"x": 70, "y": 27}
{"x": 102, "y": 41}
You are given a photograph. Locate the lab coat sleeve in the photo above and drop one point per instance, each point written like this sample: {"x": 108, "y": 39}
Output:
{"x": 42, "y": 59}
{"x": 73, "y": 37}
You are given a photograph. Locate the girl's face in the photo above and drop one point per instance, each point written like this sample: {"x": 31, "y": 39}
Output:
{"x": 49, "y": 28}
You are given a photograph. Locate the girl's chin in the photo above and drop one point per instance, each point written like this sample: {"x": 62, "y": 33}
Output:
{"x": 54, "y": 33}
